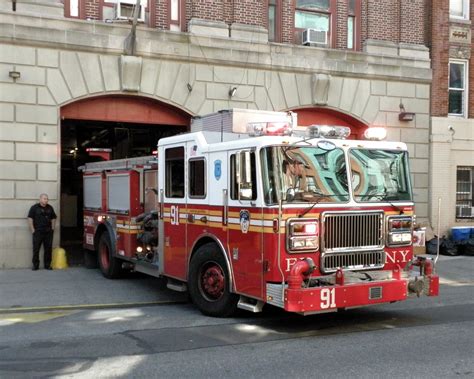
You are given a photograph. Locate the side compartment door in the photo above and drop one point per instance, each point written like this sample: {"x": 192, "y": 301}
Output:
{"x": 245, "y": 228}
{"x": 173, "y": 185}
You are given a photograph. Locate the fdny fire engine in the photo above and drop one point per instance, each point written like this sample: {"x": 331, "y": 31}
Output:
{"x": 249, "y": 209}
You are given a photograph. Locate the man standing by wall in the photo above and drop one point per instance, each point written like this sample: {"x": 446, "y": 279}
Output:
{"x": 42, "y": 220}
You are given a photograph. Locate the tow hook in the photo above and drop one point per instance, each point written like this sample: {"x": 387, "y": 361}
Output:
{"x": 417, "y": 286}
{"x": 427, "y": 277}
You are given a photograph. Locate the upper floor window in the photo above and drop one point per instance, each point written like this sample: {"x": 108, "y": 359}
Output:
{"x": 457, "y": 88}
{"x": 322, "y": 17}
{"x": 274, "y": 20}
{"x": 464, "y": 192}
{"x": 459, "y": 9}
{"x": 72, "y": 8}
{"x": 315, "y": 14}
{"x": 176, "y": 15}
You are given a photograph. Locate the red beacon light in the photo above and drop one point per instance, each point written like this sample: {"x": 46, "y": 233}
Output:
{"x": 257, "y": 129}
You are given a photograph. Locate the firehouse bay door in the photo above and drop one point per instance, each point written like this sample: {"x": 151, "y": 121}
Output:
{"x": 173, "y": 197}
{"x": 245, "y": 228}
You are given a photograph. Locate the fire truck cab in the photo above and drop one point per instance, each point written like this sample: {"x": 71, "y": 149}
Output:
{"x": 250, "y": 209}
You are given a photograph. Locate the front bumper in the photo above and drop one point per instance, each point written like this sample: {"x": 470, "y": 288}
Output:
{"x": 341, "y": 292}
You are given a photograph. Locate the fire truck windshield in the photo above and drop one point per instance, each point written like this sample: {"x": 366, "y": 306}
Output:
{"x": 298, "y": 174}
{"x": 379, "y": 175}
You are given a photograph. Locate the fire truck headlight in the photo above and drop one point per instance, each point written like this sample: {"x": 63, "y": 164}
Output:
{"x": 139, "y": 249}
{"x": 303, "y": 235}
{"x": 399, "y": 230}
{"x": 398, "y": 238}
{"x": 303, "y": 243}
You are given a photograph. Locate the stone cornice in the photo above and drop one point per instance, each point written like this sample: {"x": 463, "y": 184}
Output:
{"x": 100, "y": 37}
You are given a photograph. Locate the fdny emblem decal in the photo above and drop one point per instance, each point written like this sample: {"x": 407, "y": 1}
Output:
{"x": 217, "y": 169}
{"x": 244, "y": 221}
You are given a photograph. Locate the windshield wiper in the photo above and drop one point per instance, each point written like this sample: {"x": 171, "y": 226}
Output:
{"x": 321, "y": 196}
{"x": 382, "y": 196}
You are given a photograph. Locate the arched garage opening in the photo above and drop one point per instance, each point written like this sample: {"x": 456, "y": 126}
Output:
{"x": 325, "y": 116}
{"x": 128, "y": 125}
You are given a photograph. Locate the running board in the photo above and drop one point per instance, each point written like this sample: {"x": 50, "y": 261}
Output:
{"x": 176, "y": 285}
{"x": 250, "y": 305}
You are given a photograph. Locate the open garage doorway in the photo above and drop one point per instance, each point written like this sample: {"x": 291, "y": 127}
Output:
{"x": 128, "y": 126}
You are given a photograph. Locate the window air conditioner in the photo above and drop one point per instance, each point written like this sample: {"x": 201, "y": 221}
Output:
{"x": 463, "y": 211}
{"x": 314, "y": 36}
{"x": 124, "y": 11}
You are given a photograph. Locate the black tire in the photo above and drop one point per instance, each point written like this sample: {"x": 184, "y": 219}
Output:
{"x": 90, "y": 259}
{"x": 209, "y": 285}
{"x": 110, "y": 266}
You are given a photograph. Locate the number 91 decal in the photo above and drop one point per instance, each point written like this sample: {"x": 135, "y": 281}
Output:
{"x": 328, "y": 298}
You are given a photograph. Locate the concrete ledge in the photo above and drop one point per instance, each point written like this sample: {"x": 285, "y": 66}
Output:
{"x": 208, "y": 28}
{"x": 372, "y": 46}
{"x": 40, "y": 7}
{"x": 414, "y": 51}
{"x": 249, "y": 33}
{"x": 102, "y": 38}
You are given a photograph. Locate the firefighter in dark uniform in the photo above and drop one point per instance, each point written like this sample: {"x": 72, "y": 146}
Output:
{"x": 42, "y": 220}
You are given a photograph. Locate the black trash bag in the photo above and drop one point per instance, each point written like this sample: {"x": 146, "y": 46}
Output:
{"x": 466, "y": 247}
{"x": 432, "y": 246}
{"x": 446, "y": 247}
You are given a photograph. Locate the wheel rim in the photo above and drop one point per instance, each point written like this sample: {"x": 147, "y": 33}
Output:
{"x": 212, "y": 281}
{"x": 104, "y": 256}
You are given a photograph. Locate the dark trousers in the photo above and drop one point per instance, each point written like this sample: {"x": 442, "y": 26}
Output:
{"x": 46, "y": 239}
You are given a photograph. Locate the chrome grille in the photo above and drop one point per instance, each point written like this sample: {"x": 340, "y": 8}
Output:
{"x": 352, "y": 231}
{"x": 363, "y": 260}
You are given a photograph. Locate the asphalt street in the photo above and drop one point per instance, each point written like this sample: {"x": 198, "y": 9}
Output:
{"x": 426, "y": 337}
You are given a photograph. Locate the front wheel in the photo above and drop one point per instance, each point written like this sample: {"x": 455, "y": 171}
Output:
{"x": 110, "y": 266}
{"x": 209, "y": 284}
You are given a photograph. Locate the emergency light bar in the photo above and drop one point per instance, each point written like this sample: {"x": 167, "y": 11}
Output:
{"x": 328, "y": 131}
{"x": 257, "y": 129}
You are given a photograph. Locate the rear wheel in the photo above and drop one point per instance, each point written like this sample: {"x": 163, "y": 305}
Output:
{"x": 209, "y": 284}
{"x": 110, "y": 266}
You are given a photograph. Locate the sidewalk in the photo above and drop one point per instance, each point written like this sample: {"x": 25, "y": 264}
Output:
{"x": 78, "y": 287}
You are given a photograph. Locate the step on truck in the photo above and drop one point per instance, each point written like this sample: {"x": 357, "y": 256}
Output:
{"x": 250, "y": 209}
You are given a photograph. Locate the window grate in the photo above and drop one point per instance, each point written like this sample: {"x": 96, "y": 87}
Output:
{"x": 464, "y": 193}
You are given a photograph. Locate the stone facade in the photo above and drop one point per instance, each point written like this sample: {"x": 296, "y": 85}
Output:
{"x": 61, "y": 61}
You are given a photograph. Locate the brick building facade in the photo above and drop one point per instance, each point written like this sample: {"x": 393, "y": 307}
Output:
{"x": 72, "y": 73}
{"x": 452, "y": 111}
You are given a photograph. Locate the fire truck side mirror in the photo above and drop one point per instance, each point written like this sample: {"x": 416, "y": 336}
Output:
{"x": 290, "y": 194}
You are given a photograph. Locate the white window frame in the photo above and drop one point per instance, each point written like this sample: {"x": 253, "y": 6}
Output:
{"x": 460, "y": 207}
{"x": 465, "y": 63}
{"x": 465, "y": 7}
{"x": 141, "y": 13}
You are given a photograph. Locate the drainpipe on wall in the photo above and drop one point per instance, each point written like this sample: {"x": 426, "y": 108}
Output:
{"x": 130, "y": 41}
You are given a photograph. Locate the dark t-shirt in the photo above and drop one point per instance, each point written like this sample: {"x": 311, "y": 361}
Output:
{"x": 42, "y": 217}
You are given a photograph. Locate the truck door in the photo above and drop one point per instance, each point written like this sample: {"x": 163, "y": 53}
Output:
{"x": 173, "y": 185}
{"x": 245, "y": 228}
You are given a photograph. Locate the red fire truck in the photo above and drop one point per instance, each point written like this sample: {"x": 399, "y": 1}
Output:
{"x": 249, "y": 209}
